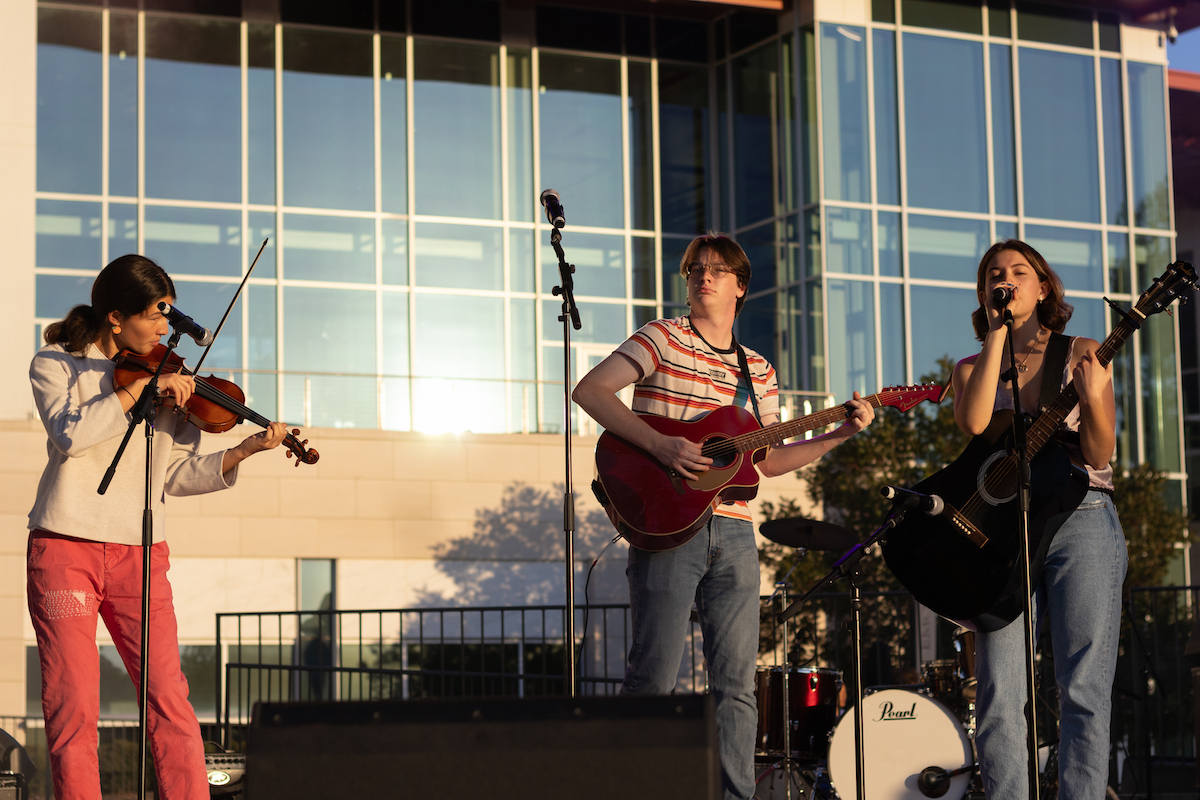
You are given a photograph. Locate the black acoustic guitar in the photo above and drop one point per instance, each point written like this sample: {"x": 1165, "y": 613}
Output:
{"x": 962, "y": 564}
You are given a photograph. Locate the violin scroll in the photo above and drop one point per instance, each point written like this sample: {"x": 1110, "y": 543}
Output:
{"x": 296, "y": 447}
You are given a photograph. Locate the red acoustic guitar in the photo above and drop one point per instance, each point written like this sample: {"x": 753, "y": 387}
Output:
{"x": 655, "y": 508}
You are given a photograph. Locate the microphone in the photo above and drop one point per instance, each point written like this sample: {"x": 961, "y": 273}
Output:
{"x": 554, "y": 210}
{"x": 931, "y": 504}
{"x": 1002, "y": 296}
{"x": 185, "y": 324}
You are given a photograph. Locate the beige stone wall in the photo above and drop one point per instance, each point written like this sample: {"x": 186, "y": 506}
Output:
{"x": 411, "y": 519}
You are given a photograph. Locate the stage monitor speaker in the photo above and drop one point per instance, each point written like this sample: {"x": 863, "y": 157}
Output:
{"x": 591, "y": 748}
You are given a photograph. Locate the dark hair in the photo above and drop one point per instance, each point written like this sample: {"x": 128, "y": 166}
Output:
{"x": 730, "y": 252}
{"x": 129, "y": 285}
{"x": 1053, "y": 312}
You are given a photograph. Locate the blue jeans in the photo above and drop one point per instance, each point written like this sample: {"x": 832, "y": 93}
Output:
{"x": 718, "y": 570}
{"x": 1081, "y": 590}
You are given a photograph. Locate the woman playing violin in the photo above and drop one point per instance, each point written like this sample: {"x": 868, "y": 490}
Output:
{"x": 1080, "y": 587}
{"x": 84, "y": 556}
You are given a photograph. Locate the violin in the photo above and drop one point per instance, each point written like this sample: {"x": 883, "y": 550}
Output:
{"x": 217, "y": 404}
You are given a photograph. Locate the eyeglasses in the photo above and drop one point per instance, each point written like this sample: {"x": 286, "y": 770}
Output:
{"x": 716, "y": 269}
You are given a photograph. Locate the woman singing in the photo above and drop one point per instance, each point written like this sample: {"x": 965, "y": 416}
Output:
{"x": 1080, "y": 588}
{"x": 84, "y": 554}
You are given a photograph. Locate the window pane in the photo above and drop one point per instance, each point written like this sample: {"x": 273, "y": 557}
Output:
{"x": 522, "y": 266}
{"x": 393, "y": 119}
{"x": 1113, "y": 116}
{"x": 1160, "y": 411}
{"x": 69, "y": 94}
{"x": 815, "y": 316}
{"x": 122, "y": 230}
{"x": 522, "y": 197}
{"x": 193, "y": 114}
{"x": 844, "y": 109}
{"x": 762, "y": 247}
{"x": 122, "y": 104}
{"x": 641, "y": 147}
{"x": 1058, "y": 135}
{"x": 201, "y": 241}
{"x": 941, "y": 326}
{"x": 599, "y": 261}
{"x": 887, "y": 125}
{"x": 643, "y": 271}
{"x": 758, "y": 326}
{"x": 851, "y": 327}
{"x": 887, "y": 233}
{"x": 456, "y": 129}
{"x": 330, "y": 401}
{"x": 848, "y": 241}
{"x": 328, "y": 330}
{"x": 580, "y": 120}
{"x": 945, "y": 249}
{"x": 1125, "y": 394}
{"x": 1075, "y": 255}
{"x": 1120, "y": 278}
{"x": 68, "y": 235}
{"x": 683, "y": 146}
{"x": 260, "y": 110}
{"x": 522, "y": 389}
{"x": 459, "y": 256}
{"x": 328, "y": 248}
{"x": 263, "y": 333}
{"x": 58, "y": 294}
{"x": 602, "y": 323}
{"x": 262, "y": 226}
{"x": 1088, "y": 317}
{"x": 395, "y": 252}
{"x": 458, "y": 336}
{"x": 948, "y": 15}
{"x": 395, "y": 333}
{"x": 1054, "y": 25}
{"x": 328, "y": 120}
{"x": 945, "y": 123}
{"x": 1004, "y": 164}
{"x": 891, "y": 324}
{"x": 674, "y": 284}
{"x": 755, "y": 93}
{"x": 1148, "y": 145}
{"x": 205, "y": 303}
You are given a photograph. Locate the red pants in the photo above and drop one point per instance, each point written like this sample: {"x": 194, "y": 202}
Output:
{"x": 69, "y": 581}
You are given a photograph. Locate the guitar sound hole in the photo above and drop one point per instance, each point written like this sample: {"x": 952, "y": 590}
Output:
{"x": 722, "y": 456}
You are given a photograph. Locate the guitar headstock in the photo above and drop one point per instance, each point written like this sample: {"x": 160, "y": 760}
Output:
{"x": 906, "y": 397}
{"x": 1171, "y": 285}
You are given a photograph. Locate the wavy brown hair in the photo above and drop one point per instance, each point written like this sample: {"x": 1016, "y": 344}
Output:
{"x": 1053, "y": 312}
{"x": 129, "y": 284}
{"x": 730, "y": 252}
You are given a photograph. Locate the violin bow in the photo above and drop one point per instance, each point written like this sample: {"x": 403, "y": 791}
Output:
{"x": 196, "y": 369}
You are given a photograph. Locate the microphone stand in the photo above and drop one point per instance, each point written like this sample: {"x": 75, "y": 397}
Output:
{"x": 847, "y": 567}
{"x": 1023, "y": 492}
{"x": 143, "y": 411}
{"x": 569, "y": 317}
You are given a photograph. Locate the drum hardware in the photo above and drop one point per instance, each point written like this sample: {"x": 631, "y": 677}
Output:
{"x": 847, "y": 567}
{"x": 935, "y": 781}
{"x": 808, "y": 534}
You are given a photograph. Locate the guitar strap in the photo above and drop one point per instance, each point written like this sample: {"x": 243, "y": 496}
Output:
{"x": 1056, "y": 360}
{"x": 745, "y": 365}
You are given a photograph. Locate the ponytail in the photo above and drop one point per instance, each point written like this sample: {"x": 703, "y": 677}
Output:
{"x": 75, "y": 331}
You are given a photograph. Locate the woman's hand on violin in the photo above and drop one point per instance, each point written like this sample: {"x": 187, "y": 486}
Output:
{"x": 267, "y": 439}
{"x": 179, "y": 388}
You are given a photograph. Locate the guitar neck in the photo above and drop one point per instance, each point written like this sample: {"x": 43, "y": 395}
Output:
{"x": 1045, "y": 425}
{"x": 781, "y": 431}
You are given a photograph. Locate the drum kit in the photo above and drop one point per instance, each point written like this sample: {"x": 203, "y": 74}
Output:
{"x": 916, "y": 740}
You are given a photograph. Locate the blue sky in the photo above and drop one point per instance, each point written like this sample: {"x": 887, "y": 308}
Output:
{"x": 1185, "y": 53}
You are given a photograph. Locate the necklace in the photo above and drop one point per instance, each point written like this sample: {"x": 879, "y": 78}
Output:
{"x": 1022, "y": 365}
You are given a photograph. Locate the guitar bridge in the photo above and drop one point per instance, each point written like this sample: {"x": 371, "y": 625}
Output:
{"x": 966, "y": 527}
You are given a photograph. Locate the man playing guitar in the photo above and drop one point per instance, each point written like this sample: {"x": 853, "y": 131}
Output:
{"x": 683, "y": 368}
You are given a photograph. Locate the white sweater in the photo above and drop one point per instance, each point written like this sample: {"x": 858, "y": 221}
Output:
{"x": 84, "y": 425}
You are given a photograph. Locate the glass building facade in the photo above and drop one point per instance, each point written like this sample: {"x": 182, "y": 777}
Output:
{"x": 392, "y": 155}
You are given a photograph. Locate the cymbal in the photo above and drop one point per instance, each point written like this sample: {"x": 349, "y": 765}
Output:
{"x": 813, "y": 534}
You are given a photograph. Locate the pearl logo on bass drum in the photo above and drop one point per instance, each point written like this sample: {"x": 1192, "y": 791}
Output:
{"x": 888, "y": 712}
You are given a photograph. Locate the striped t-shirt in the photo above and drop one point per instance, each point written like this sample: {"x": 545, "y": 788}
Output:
{"x": 684, "y": 377}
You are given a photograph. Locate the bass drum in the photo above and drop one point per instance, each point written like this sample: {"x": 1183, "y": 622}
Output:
{"x": 903, "y": 733}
